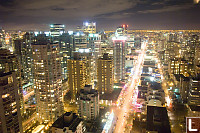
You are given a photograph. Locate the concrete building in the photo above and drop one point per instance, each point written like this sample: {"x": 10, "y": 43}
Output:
{"x": 76, "y": 75}
{"x": 57, "y": 29}
{"x": 87, "y": 56}
{"x": 119, "y": 54}
{"x": 194, "y": 91}
{"x": 66, "y": 44}
{"x": 89, "y": 27}
{"x": 105, "y": 77}
{"x": 10, "y": 93}
{"x": 88, "y": 103}
{"x": 80, "y": 41}
{"x": 68, "y": 123}
{"x": 178, "y": 66}
{"x": 47, "y": 79}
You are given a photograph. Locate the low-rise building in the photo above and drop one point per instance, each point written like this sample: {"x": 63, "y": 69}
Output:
{"x": 68, "y": 123}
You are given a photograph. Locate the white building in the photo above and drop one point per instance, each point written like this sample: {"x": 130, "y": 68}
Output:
{"x": 88, "y": 103}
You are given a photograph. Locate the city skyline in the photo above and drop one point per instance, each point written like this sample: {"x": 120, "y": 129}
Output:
{"x": 141, "y": 14}
{"x": 99, "y": 66}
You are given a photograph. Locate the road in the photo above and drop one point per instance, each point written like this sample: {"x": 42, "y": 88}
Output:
{"x": 176, "y": 117}
{"x": 130, "y": 95}
{"x": 29, "y": 122}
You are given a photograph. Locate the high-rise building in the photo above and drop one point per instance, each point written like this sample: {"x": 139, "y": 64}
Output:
{"x": 76, "y": 75}
{"x": 88, "y": 103}
{"x": 47, "y": 79}
{"x": 194, "y": 91}
{"x": 80, "y": 41}
{"x": 10, "y": 93}
{"x": 105, "y": 77}
{"x": 24, "y": 52}
{"x": 192, "y": 43}
{"x": 89, "y": 27}
{"x": 119, "y": 54}
{"x": 66, "y": 43}
{"x": 2, "y": 37}
{"x": 87, "y": 56}
{"x": 178, "y": 66}
{"x": 56, "y": 30}
{"x": 197, "y": 51}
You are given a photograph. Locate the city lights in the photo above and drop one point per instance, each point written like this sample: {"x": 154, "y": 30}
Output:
{"x": 99, "y": 66}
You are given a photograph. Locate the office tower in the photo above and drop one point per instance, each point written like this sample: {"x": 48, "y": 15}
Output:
{"x": 94, "y": 43}
{"x": 137, "y": 42}
{"x": 76, "y": 75}
{"x": 193, "y": 42}
{"x": 68, "y": 123}
{"x": 80, "y": 41}
{"x": 119, "y": 54}
{"x": 79, "y": 29}
{"x": 194, "y": 91}
{"x": 106, "y": 47}
{"x": 196, "y": 43}
{"x": 89, "y": 27}
{"x": 66, "y": 44}
{"x": 88, "y": 103}
{"x": 10, "y": 93}
{"x": 8, "y": 42}
{"x": 105, "y": 77}
{"x": 178, "y": 66}
{"x": 2, "y": 37}
{"x": 24, "y": 52}
{"x": 56, "y": 30}
{"x": 47, "y": 79}
{"x": 121, "y": 31}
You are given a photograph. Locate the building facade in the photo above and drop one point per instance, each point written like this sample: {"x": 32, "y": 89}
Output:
{"x": 119, "y": 55}
{"x": 10, "y": 93}
{"x": 89, "y": 27}
{"x": 76, "y": 75}
{"x": 105, "y": 77}
{"x": 88, "y": 103}
{"x": 47, "y": 80}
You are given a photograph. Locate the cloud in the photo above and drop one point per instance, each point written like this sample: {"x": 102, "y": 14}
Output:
{"x": 70, "y": 8}
{"x": 71, "y": 12}
{"x": 167, "y": 9}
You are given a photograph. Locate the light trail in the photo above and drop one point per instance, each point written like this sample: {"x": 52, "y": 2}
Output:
{"x": 123, "y": 111}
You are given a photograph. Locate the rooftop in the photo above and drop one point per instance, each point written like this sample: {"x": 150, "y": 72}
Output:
{"x": 68, "y": 119}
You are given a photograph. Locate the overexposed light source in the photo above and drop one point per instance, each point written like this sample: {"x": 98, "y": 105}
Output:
{"x": 196, "y": 1}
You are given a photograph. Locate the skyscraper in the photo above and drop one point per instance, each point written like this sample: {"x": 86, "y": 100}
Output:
{"x": 80, "y": 41}
{"x": 24, "y": 52}
{"x": 119, "y": 58}
{"x": 76, "y": 74}
{"x": 105, "y": 77}
{"x": 47, "y": 79}
{"x": 10, "y": 93}
{"x": 88, "y": 103}
{"x": 56, "y": 30}
{"x": 66, "y": 43}
{"x": 89, "y": 27}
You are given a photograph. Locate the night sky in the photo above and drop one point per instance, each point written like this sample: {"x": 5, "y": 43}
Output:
{"x": 108, "y": 14}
